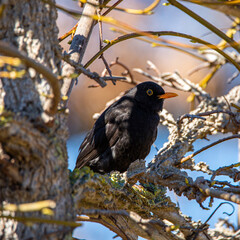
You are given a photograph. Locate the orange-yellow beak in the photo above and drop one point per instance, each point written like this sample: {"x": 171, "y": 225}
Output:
{"x": 167, "y": 95}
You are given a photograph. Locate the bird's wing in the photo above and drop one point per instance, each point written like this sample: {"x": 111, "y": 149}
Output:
{"x": 102, "y": 136}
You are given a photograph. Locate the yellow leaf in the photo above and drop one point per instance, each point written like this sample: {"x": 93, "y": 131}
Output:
{"x": 64, "y": 98}
{"x": 47, "y": 211}
{"x": 191, "y": 97}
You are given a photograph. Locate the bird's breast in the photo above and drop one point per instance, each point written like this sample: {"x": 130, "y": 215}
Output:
{"x": 138, "y": 130}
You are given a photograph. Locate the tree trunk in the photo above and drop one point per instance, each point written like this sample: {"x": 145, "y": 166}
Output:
{"x": 33, "y": 156}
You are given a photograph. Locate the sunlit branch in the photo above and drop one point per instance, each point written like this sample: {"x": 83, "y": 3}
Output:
{"x": 169, "y": 44}
{"x": 161, "y": 33}
{"x": 205, "y": 23}
{"x": 145, "y": 11}
{"x": 207, "y": 147}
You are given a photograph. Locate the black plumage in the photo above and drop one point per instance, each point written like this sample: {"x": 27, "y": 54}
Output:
{"x": 125, "y": 131}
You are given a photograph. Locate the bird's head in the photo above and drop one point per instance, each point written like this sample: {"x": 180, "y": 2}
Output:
{"x": 150, "y": 95}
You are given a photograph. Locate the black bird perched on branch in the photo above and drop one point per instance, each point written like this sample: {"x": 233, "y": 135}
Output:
{"x": 125, "y": 131}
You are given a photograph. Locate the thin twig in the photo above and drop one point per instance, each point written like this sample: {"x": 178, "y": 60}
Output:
{"x": 234, "y": 76}
{"x": 221, "y": 169}
{"x": 207, "y": 147}
{"x": 145, "y": 11}
{"x": 155, "y": 79}
{"x": 200, "y": 115}
{"x": 175, "y": 81}
{"x": 128, "y": 72}
{"x": 152, "y": 35}
{"x": 152, "y": 66}
{"x": 166, "y": 44}
{"x": 112, "y": 7}
{"x": 93, "y": 75}
{"x": 191, "y": 116}
{"x": 101, "y": 45}
{"x": 205, "y": 23}
{"x": 199, "y": 67}
{"x": 73, "y": 29}
{"x": 231, "y": 188}
{"x": 205, "y": 223}
{"x": 229, "y": 214}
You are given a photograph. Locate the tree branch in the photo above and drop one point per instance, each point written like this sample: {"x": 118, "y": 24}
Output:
{"x": 78, "y": 46}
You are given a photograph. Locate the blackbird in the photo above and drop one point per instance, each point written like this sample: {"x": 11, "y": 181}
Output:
{"x": 125, "y": 131}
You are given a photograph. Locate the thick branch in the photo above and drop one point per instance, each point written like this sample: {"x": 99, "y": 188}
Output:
{"x": 143, "y": 209}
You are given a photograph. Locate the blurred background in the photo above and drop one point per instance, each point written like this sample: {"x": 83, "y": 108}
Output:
{"x": 84, "y": 101}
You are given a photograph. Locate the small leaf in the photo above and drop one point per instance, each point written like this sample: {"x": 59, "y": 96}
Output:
{"x": 201, "y": 190}
{"x": 174, "y": 227}
{"x": 64, "y": 98}
{"x": 191, "y": 98}
{"x": 106, "y": 41}
{"x": 213, "y": 182}
{"x": 47, "y": 211}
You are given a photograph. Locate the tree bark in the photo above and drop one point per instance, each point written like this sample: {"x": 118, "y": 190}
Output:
{"x": 33, "y": 156}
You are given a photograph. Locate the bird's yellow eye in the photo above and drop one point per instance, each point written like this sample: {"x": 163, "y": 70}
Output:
{"x": 149, "y": 92}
